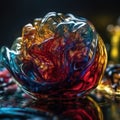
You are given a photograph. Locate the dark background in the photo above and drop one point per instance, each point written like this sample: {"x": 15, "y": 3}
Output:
{"x": 14, "y": 14}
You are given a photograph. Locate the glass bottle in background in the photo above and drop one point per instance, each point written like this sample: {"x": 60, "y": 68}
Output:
{"x": 114, "y": 31}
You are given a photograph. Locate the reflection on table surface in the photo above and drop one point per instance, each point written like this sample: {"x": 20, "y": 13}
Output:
{"x": 79, "y": 109}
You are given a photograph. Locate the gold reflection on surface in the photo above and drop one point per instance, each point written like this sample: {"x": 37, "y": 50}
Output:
{"x": 97, "y": 107}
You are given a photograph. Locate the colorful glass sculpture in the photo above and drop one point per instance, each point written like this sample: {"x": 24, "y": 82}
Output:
{"x": 110, "y": 85}
{"x": 58, "y": 56}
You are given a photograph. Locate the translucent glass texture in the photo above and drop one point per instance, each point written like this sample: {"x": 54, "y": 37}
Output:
{"x": 110, "y": 85}
{"x": 58, "y": 56}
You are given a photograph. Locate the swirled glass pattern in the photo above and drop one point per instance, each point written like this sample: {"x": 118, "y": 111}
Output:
{"x": 57, "y": 56}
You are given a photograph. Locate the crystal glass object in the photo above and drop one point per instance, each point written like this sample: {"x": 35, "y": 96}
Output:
{"x": 59, "y": 56}
{"x": 110, "y": 85}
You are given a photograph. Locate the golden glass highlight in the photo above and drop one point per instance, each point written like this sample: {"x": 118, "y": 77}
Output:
{"x": 110, "y": 85}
